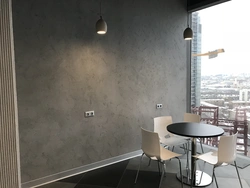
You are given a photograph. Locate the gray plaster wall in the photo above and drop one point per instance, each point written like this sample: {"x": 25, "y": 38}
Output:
{"x": 64, "y": 68}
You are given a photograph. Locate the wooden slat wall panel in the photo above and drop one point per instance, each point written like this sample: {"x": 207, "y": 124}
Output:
{"x": 9, "y": 148}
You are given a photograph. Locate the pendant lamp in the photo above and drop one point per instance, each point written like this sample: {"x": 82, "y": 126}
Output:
{"x": 188, "y": 33}
{"x": 101, "y": 25}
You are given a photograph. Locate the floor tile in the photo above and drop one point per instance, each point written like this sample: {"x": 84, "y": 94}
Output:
{"x": 73, "y": 179}
{"x": 229, "y": 183}
{"x": 90, "y": 186}
{"x": 59, "y": 185}
{"x": 122, "y": 175}
{"x": 146, "y": 179}
{"x": 248, "y": 181}
{"x": 108, "y": 176}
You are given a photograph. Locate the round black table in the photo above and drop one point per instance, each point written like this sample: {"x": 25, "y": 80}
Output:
{"x": 195, "y": 130}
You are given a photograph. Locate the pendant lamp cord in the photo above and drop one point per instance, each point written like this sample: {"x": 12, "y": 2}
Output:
{"x": 101, "y": 8}
{"x": 187, "y": 14}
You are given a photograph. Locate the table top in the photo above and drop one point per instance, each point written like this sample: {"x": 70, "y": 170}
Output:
{"x": 197, "y": 130}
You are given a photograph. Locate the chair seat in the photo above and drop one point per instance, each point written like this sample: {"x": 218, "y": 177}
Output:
{"x": 173, "y": 141}
{"x": 166, "y": 154}
{"x": 210, "y": 157}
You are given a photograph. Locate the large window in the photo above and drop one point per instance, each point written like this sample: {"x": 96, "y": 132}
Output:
{"x": 220, "y": 68}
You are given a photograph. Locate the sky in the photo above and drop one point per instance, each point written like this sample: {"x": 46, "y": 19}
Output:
{"x": 226, "y": 26}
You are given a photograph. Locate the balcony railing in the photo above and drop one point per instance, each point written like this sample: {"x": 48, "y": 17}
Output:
{"x": 210, "y": 115}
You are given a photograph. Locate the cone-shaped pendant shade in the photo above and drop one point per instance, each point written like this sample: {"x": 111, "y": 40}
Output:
{"x": 188, "y": 33}
{"x": 101, "y": 26}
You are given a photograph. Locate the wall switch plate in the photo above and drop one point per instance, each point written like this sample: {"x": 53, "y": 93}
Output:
{"x": 89, "y": 113}
{"x": 158, "y": 106}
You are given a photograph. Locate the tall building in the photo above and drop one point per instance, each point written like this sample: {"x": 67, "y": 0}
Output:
{"x": 244, "y": 95}
{"x": 196, "y": 61}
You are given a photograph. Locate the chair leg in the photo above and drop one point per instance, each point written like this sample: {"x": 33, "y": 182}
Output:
{"x": 215, "y": 178}
{"x": 149, "y": 162}
{"x": 187, "y": 165}
{"x": 202, "y": 172}
{"x": 159, "y": 168}
{"x": 173, "y": 148}
{"x": 185, "y": 148}
{"x": 238, "y": 173}
{"x": 162, "y": 173}
{"x": 202, "y": 150}
{"x": 180, "y": 172}
{"x": 192, "y": 179}
{"x": 138, "y": 169}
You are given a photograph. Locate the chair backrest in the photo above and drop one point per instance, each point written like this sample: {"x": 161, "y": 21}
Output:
{"x": 160, "y": 124}
{"x": 195, "y": 118}
{"x": 227, "y": 149}
{"x": 150, "y": 143}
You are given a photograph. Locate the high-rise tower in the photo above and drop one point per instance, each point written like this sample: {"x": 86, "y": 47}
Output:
{"x": 196, "y": 61}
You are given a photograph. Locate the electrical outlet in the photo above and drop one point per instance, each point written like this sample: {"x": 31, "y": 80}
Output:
{"x": 92, "y": 113}
{"x": 89, "y": 113}
{"x": 158, "y": 106}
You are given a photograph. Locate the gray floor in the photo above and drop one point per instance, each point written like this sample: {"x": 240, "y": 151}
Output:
{"x": 149, "y": 176}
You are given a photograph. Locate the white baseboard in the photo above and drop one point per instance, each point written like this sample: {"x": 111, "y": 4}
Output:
{"x": 79, "y": 170}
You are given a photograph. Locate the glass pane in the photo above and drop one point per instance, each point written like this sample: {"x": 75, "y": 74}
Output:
{"x": 220, "y": 68}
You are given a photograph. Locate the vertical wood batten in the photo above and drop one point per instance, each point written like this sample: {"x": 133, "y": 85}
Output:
{"x": 9, "y": 148}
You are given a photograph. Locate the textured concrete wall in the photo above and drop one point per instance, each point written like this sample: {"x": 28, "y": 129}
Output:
{"x": 64, "y": 69}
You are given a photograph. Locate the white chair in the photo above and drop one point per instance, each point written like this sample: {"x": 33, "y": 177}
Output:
{"x": 152, "y": 149}
{"x": 194, "y": 118}
{"x": 166, "y": 138}
{"x": 188, "y": 117}
{"x": 226, "y": 154}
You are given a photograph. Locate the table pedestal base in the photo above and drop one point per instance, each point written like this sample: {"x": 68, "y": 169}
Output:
{"x": 200, "y": 182}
